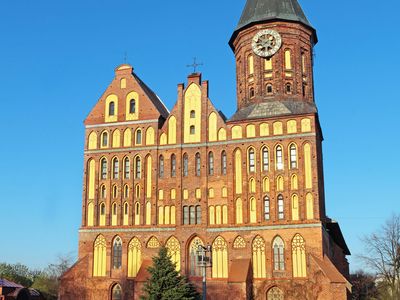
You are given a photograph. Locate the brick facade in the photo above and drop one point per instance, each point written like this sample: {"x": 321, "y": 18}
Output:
{"x": 128, "y": 206}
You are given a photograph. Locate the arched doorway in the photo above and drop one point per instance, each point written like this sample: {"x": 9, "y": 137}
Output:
{"x": 275, "y": 293}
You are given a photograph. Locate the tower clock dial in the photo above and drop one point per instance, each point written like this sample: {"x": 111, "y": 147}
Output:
{"x": 266, "y": 43}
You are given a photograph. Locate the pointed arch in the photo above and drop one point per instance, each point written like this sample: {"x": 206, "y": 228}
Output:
{"x": 295, "y": 208}
{"x": 307, "y": 166}
{"x": 220, "y": 258}
{"x": 266, "y": 186}
{"x": 275, "y": 294}
{"x": 92, "y": 178}
{"x": 126, "y": 214}
{"x": 310, "y": 206}
{"x": 194, "y": 269}
{"x": 137, "y": 212}
{"x": 90, "y": 214}
{"x": 294, "y": 182}
{"x": 212, "y": 127}
{"x": 148, "y": 213}
{"x": 117, "y": 253}
{"x": 150, "y": 136}
{"x": 116, "y": 292}
{"x": 102, "y": 214}
{"x": 192, "y": 114}
{"x": 127, "y": 137}
{"x": 92, "y": 144}
{"x": 115, "y": 168}
{"x": 258, "y": 247}
{"x": 132, "y": 106}
{"x": 104, "y": 139}
{"x": 299, "y": 256}
{"x": 222, "y": 134}
{"x": 163, "y": 139}
{"x": 174, "y": 251}
{"x": 99, "y": 256}
{"x": 238, "y": 171}
{"x": 279, "y": 184}
{"x": 239, "y": 211}
{"x": 134, "y": 257}
{"x": 252, "y": 185}
{"x": 211, "y": 213}
{"x": 153, "y": 243}
{"x": 116, "y": 139}
{"x": 114, "y": 214}
{"x": 239, "y": 243}
{"x": 253, "y": 210}
{"x": 278, "y": 250}
{"x": 149, "y": 176}
{"x": 172, "y": 130}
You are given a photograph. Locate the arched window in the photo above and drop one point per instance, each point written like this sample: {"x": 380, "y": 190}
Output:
{"x": 138, "y": 168}
{"x": 117, "y": 253}
{"x": 134, "y": 257}
{"x": 186, "y": 215}
{"x": 111, "y": 108}
{"x": 210, "y": 163}
{"x": 104, "y": 139}
{"x": 192, "y": 114}
{"x": 127, "y": 168}
{"x": 265, "y": 159}
{"x": 192, "y": 129}
{"x": 269, "y": 89}
{"x": 102, "y": 217}
{"x": 281, "y": 208}
{"x": 267, "y": 213}
{"x": 250, "y": 64}
{"x": 252, "y": 93}
{"x": 114, "y": 191}
{"x": 137, "y": 211}
{"x": 288, "y": 60}
{"x": 219, "y": 258}
{"x": 173, "y": 165}
{"x": 293, "y": 156}
{"x": 161, "y": 167}
{"x": 211, "y": 212}
{"x": 132, "y": 106}
{"x": 239, "y": 211}
{"x": 103, "y": 192}
{"x": 198, "y": 164}
{"x": 279, "y": 158}
{"x": 278, "y": 248}
{"x": 275, "y": 294}
{"x": 126, "y": 214}
{"x": 258, "y": 248}
{"x": 174, "y": 251}
{"x": 138, "y": 137}
{"x": 114, "y": 216}
{"x": 295, "y": 208}
{"x": 288, "y": 88}
{"x": 116, "y": 292}
{"x": 299, "y": 256}
{"x": 126, "y": 191}
{"x": 223, "y": 163}
{"x": 192, "y": 213}
{"x": 103, "y": 168}
{"x": 99, "y": 257}
{"x": 185, "y": 165}
{"x": 194, "y": 268}
{"x": 252, "y": 161}
{"x": 253, "y": 210}
{"x": 115, "y": 168}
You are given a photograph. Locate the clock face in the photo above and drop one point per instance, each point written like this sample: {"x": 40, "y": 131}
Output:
{"x": 266, "y": 43}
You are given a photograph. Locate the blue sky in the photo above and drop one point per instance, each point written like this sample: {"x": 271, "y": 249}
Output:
{"x": 57, "y": 57}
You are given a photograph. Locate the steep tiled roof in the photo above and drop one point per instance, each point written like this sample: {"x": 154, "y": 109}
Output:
{"x": 10, "y": 284}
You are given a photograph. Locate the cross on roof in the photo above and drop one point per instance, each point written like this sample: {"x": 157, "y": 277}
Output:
{"x": 194, "y": 65}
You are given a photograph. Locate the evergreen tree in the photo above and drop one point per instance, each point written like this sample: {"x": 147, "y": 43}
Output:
{"x": 165, "y": 282}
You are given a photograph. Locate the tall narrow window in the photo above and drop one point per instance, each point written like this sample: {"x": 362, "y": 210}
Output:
{"x": 198, "y": 214}
{"x": 265, "y": 159}
{"x": 117, "y": 292}
{"x": 269, "y": 89}
{"x": 288, "y": 60}
{"x": 192, "y": 129}
{"x": 192, "y": 114}
{"x": 103, "y": 169}
{"x": 250, "y": 62}
{"x": 288, "y": 88}
{"x": 99, "y": 257}
{"x": 259, "y": 268}
{"x": 279, "y": 158}
{"x": 103, "y": 191}
{"x": 138, "y": 168}
{"x": 104, "y": 139}
{"x": 127, "y": 168}
{"x": 293, "y": 157}
{"x": 186, "y": 215}
{"x": 281, "y": 208}
{"x": 115, "y": 168}
{"x": 223, "y": 163}
{"x": 252, "y": 161}
{"x": 220, "y": 258}
{"x": 194, "y": 268}
{"x": 252, "y": 93}
{"x": 185, "y": 165}
{"x": 173, "y": 165}
{"x": 138, "y": 137}
{"x": 198, "y": 164}
{"x": 192, "y": 212}
{"x": 278, "y": 248}
{"x": 126, "y": 191}
{"x": 161, "y": 167}
{"x": 299, "y": 256}
{"x": 267, "y": 214}
{"x": 111, "y": 108}
{"x": 117, "y": 253}
{"x": 132, "y": 106}
{"x": 210, "y": 163}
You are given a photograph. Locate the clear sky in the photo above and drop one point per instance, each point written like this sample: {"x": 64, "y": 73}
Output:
{"x": 57, "y": 58}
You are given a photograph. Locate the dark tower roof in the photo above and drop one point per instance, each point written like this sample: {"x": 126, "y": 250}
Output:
{"x": 257, "y": 11}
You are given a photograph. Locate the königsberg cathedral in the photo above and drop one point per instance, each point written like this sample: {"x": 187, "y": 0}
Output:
{"x": 250, "y": 186}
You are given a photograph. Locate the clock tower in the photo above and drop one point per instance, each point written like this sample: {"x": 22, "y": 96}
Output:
{"x": 273, "y": 46}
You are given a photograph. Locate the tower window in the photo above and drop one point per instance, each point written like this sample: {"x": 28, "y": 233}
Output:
{"x": 138, "y": 168}
{"x": 252, "y": 93}
{"x": 269, "y": 89}
{"x": 117, "y": 253}
{"x": 161, "y": 166}
{"x": 288, "y": 88}
{"x": 185, "y": 165}
{"x": 265, "y": 159}
{"x": 281, "y": 208}
{"x": 192, "y": 129}
{"x": 111, "y": 108}
{"x": 103, "y": 169}
{"x": 223, "y": 163}
{"x": 293, "y": 157}
{"x": 138, "y": 137}
{"x": 266, "y": 209}
{"x": 115, "y": 168}
{"x": 132, "y": 106}
{"x": 279, "y": 158}
{"x": 192, "y": 114}
{"x": 173, "y": 165}
{"x": 198, "y": 164}
{"x": 210, "y": 163}
{"x": 252, "y": 161}
{"x": 104, "y": 139}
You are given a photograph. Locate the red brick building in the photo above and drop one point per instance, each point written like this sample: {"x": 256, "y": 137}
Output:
{"x": 251, "y": 186}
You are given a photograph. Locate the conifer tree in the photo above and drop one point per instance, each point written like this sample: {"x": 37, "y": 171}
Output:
{"x": 165, "y": 282}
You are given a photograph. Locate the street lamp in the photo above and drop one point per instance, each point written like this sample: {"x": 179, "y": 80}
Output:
{"x": 204, "y": 261}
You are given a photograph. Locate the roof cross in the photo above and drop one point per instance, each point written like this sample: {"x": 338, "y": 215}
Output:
{"x": 194, "y": 65}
